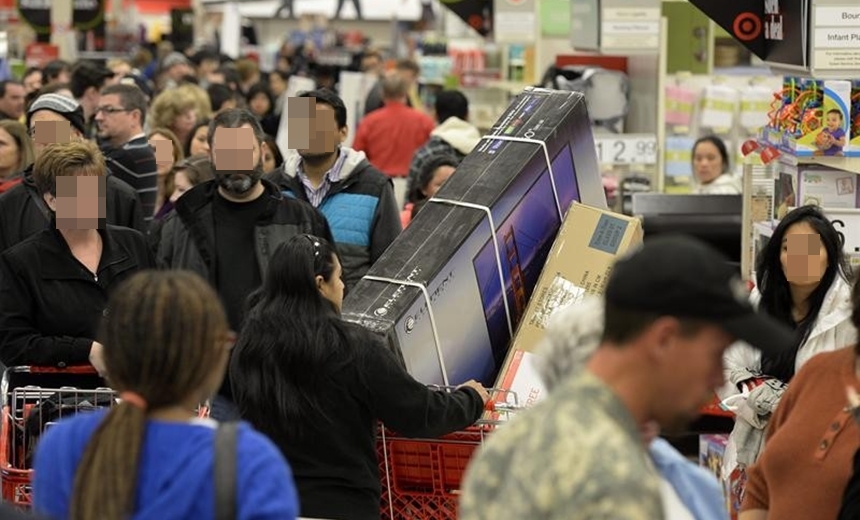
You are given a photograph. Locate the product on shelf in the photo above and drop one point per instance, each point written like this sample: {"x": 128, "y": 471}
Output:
{"x": 854, "y": 143}
{"x": 814, "y": 116}
{"x": 451, "y": 249}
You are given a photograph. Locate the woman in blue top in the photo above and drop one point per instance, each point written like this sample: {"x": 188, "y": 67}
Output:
{"x": 166, "y": 349}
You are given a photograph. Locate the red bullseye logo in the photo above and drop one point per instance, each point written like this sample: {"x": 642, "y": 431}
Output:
{"x": 747, "y": 26}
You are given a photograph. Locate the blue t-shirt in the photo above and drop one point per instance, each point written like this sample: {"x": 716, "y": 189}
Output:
{"x": 176, "y": 472}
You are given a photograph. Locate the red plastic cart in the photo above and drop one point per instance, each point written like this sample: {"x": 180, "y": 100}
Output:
{"x": 30, "y": 408}
{"x": 421, "y": 478}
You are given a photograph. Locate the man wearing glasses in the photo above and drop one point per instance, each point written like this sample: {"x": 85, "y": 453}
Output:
{"x": 53, "y": 118}
{"x": 120, "y": 116}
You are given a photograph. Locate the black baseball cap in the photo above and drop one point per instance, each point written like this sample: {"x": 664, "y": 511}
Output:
{"x": 685, "y": 277}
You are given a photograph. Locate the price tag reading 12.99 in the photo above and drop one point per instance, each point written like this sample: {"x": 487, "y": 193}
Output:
{"x": 626, "y": 149}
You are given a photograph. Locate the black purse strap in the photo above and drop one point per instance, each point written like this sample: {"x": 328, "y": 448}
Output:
{"x": 226, "y": 437}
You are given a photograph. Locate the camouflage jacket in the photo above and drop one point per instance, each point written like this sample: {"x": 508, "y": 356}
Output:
{"x": 576, "y": 455}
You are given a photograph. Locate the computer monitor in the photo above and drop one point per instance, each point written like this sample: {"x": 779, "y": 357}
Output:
{"x": 716, "y": 219}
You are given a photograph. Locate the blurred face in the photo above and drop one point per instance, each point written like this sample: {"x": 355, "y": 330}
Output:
{"x": 277, "y": 84}
{"x": 181, "y": 185}
{"x": 162, "y": 147}
{"x": 10, "y": 154}
{"x": 199, "y": 141}
{"x": 803, "y": 256}
{"x": 371, "y": 65}
{"x": 260, "y": 105}
{"x": 313, "y": 129}
{"x": 237, "y": 158}
{"x": 441, "y": 175}
{"x": 409, "y": 76}
{"x": 115, "y": 123}
{"x": 33, "y": 81}
{"x": 268, "y": 158}
{"x": 186, "y": 122}
{"x": 332, "y": 289}
{"x": 48, "y": 127}
{"x": 215, "y": 77}
{"x": 80, "y": 202}
{"x": 689, "y": 368}
{"x": 707, "y": 162}
{"x": 12, "y": 102}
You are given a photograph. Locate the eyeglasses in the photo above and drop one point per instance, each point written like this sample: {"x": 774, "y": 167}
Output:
{"x": 111, "y": 110}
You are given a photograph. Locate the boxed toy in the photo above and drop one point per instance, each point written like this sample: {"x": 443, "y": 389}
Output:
{"x": 817, "y": 114}
{"x": 579, "y": 263}
{"x": 854, "y": 143}
{"x": 476, "y": 251}
{"x": 712, "y": 449}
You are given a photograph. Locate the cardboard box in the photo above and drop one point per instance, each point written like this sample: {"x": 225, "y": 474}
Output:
{"x": 580, "y": 262}
{"x": 452, "y": 250}
{"x": 830, "y": 118}
{"x": 854, "y": 123}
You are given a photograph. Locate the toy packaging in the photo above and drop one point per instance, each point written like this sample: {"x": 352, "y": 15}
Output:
{"x": 854, "y": 142}
{"x": 816, "y": 115}
{"x": 712, "y": 450}
{"x": 479, "y": 272}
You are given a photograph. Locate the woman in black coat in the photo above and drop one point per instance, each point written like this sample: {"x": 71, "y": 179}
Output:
{"x": 54, "y": 285}
{"x": 317, "y": 385}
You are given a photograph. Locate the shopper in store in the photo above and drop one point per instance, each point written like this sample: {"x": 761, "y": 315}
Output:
{"x": 572, "y": 335}
{"x": 56, "y": 72}
{"x": 11, "y": 100}
{"x": 198, "y": 143}
{"x": 32, "y": 80}
{"x": 86, "y": 82}
{"x": 54, "y": 285}
{"x": 407, "y": 69}
{"x": 16, "y": 153}
{"x": 802, "y": 281}
{"x": 120, "y": 117}
{"x": 261, "y": 102}
{"x": 237, "y": 211}
{"x": 22, "y": 209}
{"x": 671, "y": 309}
{"x": 376, "y": 134}
{"x": 850, "y": 509}
{"x": 356, "y": 199}
{"x": 165, "y": 163}
{"x": 806, "y": 463}
{"x": 184, "y": 175}
{"x": 178, "y": 111}
{"x": 168, "y": 344}
{"x": 317, "y": 385}
{"x": 454, "y": 136}
{"x": 272, "y": 156}
{"x": 711, "y": 168}
{"x": 435, "y": 172}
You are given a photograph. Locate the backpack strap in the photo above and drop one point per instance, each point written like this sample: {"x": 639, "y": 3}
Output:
{"x": 226, "y": 437}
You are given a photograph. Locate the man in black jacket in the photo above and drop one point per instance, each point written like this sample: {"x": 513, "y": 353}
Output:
{"x": 22, "y": 209}
{"x": 356, "y": 198}
{"x": 226, "y": 229}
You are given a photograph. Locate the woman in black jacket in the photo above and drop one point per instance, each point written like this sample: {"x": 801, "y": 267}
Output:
{"x": 317, "y": 385}
{"x": 54, "y": 285}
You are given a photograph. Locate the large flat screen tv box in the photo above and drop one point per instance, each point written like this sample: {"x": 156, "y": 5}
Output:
{"x": 477, "y": 249}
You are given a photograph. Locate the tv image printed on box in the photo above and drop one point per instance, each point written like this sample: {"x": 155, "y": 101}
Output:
{"x": 479, "y": 278}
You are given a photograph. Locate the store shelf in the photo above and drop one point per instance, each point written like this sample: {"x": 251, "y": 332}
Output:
{"x": 850, "y": 164}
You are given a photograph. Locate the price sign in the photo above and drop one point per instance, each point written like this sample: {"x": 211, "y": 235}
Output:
{"x": 626, "y": 149}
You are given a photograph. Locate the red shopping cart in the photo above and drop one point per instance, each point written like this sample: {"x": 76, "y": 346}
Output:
{"x": 421, "y": 478}
{"x": 30, "y": 408}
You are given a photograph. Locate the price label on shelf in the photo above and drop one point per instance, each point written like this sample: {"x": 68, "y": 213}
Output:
{"x": 626, "y": 149}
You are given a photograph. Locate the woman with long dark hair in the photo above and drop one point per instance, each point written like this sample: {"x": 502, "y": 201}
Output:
{"x": 317, "y": 385}
{"x": 167, "y": 344}
{"x": 802, "y": 280}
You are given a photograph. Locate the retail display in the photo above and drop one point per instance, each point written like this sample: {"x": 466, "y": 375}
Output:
{"x": 449, "y": 291}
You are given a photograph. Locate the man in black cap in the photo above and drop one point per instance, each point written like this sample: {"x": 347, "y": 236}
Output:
{"x": 53, "y": 118}
{"x": 671, "y": 310}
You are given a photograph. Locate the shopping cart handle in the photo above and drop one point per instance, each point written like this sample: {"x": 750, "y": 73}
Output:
{"x": 72, "y": 369}
{"x": 494, "y": 406}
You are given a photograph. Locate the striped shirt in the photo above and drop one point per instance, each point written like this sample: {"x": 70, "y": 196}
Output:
{"x": 134, "y": 163}
{"x": 317, "y": 194}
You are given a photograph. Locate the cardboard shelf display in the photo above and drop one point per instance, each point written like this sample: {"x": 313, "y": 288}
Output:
{"x": 449, "y": 292}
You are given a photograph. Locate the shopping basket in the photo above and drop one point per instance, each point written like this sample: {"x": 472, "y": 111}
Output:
{"x": 29, "y": 410}
{"x": 421, "y": 478}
